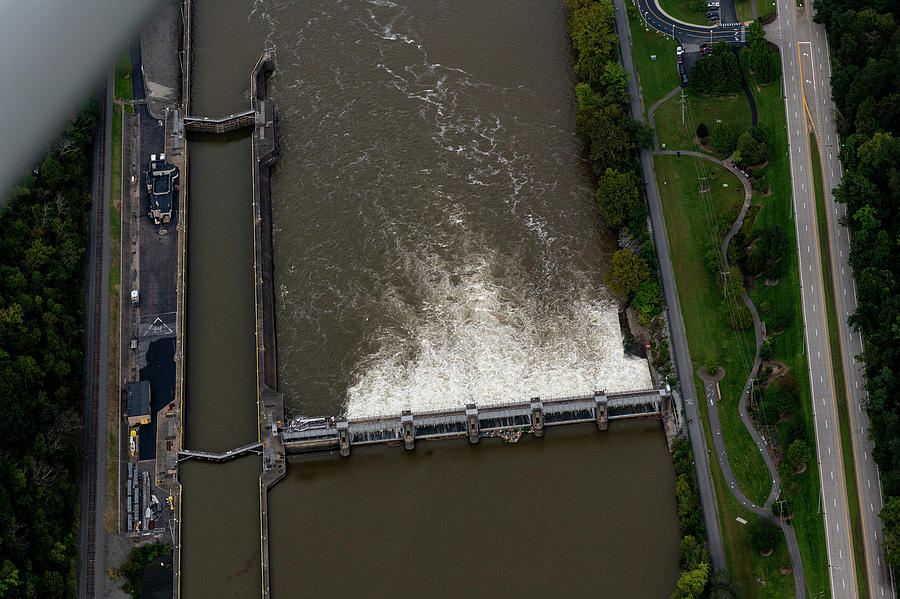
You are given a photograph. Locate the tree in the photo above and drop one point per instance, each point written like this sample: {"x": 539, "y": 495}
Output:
{"x": 763, "y": 537}
{"x": 761, "y": 61}
{"x": 733, "y": 283}
{"x": 691, "y": 552}
{"x": 798, "y": 454}
{"x": 614, "y": 79}
{"x": 702, "y": 131}
{"x": 619, "y": 197}
{"x": 774, "y": 242}
{"x": 627, "y": 272}
{"x": 751, "y": 150}
{"x": 783, "y": 401}
{"x": 711, "y": 366}
{"x": 691, "y": 583}
{"x": 890, "y": 516}
{"x": 756, "y": 32}
{"x": 723, "y": 139}
{"x": 595, "y": 43}
{"x": 646, "y": 298}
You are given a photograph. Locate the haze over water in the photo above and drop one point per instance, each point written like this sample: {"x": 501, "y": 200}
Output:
{"x": 437, "y": 240}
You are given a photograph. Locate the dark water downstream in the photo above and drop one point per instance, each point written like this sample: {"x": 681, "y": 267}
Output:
{"x": 436, "y": 242}
{"x": 576, "y": 514}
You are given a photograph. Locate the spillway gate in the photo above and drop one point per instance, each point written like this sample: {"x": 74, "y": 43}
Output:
{"x": 474, "y": 422}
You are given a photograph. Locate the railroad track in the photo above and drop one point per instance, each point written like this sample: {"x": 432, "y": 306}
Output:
{"x": 93, "y": 419}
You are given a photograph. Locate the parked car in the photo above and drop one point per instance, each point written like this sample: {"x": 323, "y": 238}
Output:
{"x": 681, "y": 69}
{"x": 679, "y": 59}
{"x": 704, "y": 48}
{"x": 712, "y": 5}
{"x": 679, "y": 51}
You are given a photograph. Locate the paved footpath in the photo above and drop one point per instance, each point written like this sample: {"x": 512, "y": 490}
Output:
{"x": 712, "y": 397}
{"x": 680, "y": 355}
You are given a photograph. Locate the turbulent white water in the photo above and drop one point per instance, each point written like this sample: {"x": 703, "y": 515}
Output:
{"x": 437, "y": 240}
{"x": 468, "y": 342}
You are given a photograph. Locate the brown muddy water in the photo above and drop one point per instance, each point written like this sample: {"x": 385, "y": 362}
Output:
{"x": 436, "y": 242}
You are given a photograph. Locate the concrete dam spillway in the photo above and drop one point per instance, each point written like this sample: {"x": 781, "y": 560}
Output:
{"x": 436, "y": 244}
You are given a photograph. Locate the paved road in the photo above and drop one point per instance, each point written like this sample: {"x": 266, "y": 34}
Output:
{"x": 680, "y": 354}
{"x": 808, "y": 62}
{"x": 804, "y": 57}
{"x": 730, "y": 30}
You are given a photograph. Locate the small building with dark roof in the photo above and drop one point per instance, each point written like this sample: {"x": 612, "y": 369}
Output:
{"x": 138, "y": 403}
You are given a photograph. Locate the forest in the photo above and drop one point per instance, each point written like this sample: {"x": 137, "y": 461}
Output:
{"x": 865, "y": 54}
{"x": 43, "y": 235}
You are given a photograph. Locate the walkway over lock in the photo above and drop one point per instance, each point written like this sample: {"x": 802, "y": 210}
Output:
{"x": 474, "y": 421}
{"x": 232, "y": 122}
{"x": 186, "y": 454}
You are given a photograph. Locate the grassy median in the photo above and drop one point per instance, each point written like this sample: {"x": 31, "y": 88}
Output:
{"x": 837, "y": 367}
{"x": 122, "y": 87}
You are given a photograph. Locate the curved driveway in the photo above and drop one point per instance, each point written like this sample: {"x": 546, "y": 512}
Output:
{"x": 730, "y": 30}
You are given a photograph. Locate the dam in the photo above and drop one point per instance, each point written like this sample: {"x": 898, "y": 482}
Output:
{"x": 296, "y": 377}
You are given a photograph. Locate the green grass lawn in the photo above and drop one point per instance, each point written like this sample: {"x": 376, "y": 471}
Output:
{"x": 748, "y": 569}
{"x": 692, "y": 231}
{"x": 838, "y": 370}
{"x": 789, "y": 349}
{"x": 676, "y": 134}
{"x": 658, "y": 77}
{"x": 681, "y": 10}
{"x": 744, "y": 11}
{"x": 123, "y": 79}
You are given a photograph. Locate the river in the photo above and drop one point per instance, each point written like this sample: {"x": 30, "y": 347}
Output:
{"x": 436, "y": 242}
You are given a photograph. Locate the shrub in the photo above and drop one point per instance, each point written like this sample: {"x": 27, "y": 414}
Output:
{"x": 702, "y": 131}
{"x": 766, "y": 350}
{"x": 796, "y": 430}
{"x": 798, "y": 453}
{"x": 772, "y": 271}
{"x": 754, "y": 263}
{"x": 760, "y": 185}
{"x": 711, "y": 366}
{"x": 783, "y": 401}
{"x": 785, "y": 471}
{"x": 740, "y": 318}
{"x": 777, "y": 323}
{"x": 763, "y": 537}
{"x": 774, "y": 242}
{"x": 765, "y": 307}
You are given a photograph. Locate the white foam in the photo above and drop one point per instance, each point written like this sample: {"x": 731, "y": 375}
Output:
{"x": 471, "y": 340}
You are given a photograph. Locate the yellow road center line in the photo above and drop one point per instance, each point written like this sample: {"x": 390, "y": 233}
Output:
{"x": 828, "y": 369}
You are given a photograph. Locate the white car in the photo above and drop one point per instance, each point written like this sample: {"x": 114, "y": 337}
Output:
{"x": 679, "y": 51}
{"x": 712, "y": 4}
